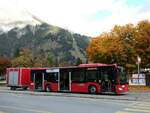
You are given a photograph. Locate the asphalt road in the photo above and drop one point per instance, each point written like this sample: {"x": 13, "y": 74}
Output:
{"x": 22, "y": 103}
{"x": 131, "y": 96}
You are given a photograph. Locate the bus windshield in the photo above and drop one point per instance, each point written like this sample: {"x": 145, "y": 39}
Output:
{"x": 111, "y": 71}
{"x": 122, "y": 76}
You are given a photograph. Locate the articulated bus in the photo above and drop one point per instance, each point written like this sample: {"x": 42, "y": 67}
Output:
{"x": 85, "y": 78}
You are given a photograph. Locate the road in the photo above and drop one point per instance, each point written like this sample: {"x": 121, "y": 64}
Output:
{"x": 22, "y": 103}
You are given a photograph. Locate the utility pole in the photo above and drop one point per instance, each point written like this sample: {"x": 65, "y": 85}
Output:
{"x": 138, "y": 63}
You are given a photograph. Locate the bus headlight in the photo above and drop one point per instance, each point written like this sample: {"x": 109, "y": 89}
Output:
{"x": 123, "y": 86}
{"x": 120, "y": 89}
{"x": 32, "y": 83}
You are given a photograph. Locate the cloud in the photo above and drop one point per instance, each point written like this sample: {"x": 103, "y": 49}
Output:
{"x": 10, "y": 12}
{"x": 88, "y": 17}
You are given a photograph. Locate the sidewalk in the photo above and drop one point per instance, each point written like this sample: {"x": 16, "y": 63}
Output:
{"x": 130, "y": 96}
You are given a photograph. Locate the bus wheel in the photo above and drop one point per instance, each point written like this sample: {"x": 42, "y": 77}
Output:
{"x": 25, "y": 88}
{"x": 92, "y": 89}
{"x": 48, "y": 88}
{"x": 12, "y": 88}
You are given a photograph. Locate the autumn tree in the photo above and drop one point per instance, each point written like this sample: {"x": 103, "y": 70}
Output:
{"x": 24, "y": 59}
{"x": 4, "y": 63}
{"x": 127, "y": 35}
{"x": 106, "y": 49}
{"x": 122, "y": 45}
{"x": 143, "y": 42}
{"x": 43, "y": 61}
{"x": 27, "y": 58}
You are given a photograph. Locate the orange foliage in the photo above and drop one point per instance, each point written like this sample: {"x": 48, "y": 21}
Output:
{"x": 122, "y": 45}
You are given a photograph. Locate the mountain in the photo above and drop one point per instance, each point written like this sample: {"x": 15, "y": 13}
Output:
{"x": 46, "y": 39}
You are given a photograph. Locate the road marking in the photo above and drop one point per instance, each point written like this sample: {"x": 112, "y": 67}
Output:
{"x": 2, "y": 112}
{"x": 123, "y": 112}
{"x": 17, "y": 95}
{"x": 24, "y": 109}
{"x": 98, "y": 102}
{"x": 141, "y": 107}
{"x": 137, "y": 110}
{"x": 117, "y": 102}
{"x": 146, "y": 105}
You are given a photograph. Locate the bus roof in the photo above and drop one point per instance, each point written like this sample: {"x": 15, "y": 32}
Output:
{"x": 92, "y": 65}
{"x": 96, "y": 65}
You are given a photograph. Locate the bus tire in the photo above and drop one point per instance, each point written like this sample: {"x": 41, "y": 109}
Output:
{"x": 12, "y": 88}
{"x": 48, "y": 88}
{"x": 25, "y": 88}
{"x": 92, "y": 89}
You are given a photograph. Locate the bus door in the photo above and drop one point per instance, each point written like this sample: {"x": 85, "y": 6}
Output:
{"x": 37, "y": 77}
{"x": 107, "y": 79}
{"x": 65, "y": 80}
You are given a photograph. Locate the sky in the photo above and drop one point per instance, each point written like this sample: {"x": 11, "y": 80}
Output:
{"x": 87, "y": 17}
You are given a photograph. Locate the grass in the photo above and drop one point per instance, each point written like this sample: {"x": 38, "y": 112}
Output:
{"x": 2, "y": 82}
{"x": 139, "y": 88}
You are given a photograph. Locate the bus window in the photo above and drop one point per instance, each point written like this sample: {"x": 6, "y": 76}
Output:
{"x": 104, "y": 75}
{"x": 108, "y": 72}
{"x": 91, "y": 75}
{"x": 77, "y": 76}
{"x": 51, "y": 77}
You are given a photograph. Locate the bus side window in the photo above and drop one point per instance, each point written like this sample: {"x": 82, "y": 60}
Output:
{"x": 51, "y": 77}
{"x": 77, "y": 76}
{"x": 91, "y": 75}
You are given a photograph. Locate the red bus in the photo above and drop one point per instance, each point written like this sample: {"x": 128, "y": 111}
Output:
{"x": 85, "y": 78}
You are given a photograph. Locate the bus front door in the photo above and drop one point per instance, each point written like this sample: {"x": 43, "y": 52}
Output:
{"x": 106, "y": 82}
